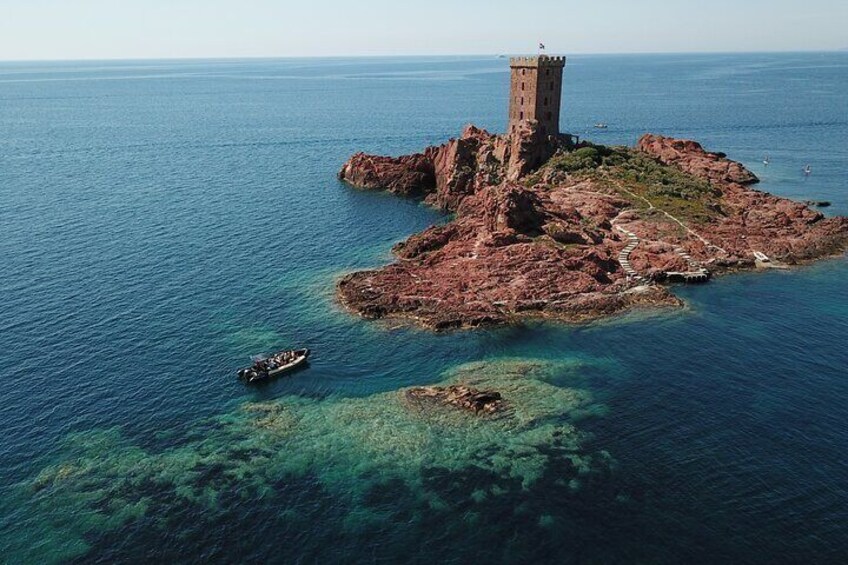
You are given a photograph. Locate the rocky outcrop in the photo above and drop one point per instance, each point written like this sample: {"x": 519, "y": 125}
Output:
{"x": 817, "y": 203}
{"x": 548, "y": 245}
{"x": 514, "y": 208}
{"x": 751, "y": 220}
{"x": 446, "y": 174}
{"x": 693, "y": 159}
{"x": 410, "y": 175}
{"x": 459, "y": 396}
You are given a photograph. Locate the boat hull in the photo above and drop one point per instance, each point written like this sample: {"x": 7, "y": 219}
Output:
{"x": 254, "y": 375}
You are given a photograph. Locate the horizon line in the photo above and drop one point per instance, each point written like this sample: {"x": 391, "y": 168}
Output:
{"x": 407, "y": 56}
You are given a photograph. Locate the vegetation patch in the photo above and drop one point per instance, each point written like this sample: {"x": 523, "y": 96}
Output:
{"x": 654, "y": 184}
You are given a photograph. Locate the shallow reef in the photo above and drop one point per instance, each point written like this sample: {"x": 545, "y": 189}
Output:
{"x": 357, "y": 450}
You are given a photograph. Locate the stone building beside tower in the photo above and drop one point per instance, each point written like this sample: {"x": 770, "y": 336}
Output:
{"x": 535, "y": 92}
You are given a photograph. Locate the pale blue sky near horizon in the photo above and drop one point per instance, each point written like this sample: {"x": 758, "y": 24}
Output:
{"x": 152, "y": 29}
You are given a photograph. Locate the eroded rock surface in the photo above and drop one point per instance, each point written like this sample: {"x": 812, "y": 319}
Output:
{"x": 540, "y": 226}
{"x": 459, "y": 396}
{"x": 693, "y": 159}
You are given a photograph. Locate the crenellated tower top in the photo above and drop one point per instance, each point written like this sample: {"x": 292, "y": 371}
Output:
{"x": 536, "y": 92}
{"x": 537, "y": 61}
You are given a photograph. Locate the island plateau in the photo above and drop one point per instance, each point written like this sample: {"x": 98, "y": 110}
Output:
{"x": 547, "y": 226}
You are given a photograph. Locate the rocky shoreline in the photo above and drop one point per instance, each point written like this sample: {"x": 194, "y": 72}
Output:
{"x": 545, "y": 228}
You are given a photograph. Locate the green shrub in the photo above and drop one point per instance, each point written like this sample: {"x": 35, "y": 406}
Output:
{"x": 666, "y": 187}
{"x": 586, "y": 158}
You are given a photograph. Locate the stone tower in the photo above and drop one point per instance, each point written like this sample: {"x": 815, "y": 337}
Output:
{"x": 535, "y": 92}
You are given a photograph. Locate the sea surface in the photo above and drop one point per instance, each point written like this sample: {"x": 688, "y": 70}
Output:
{"x": 163, "y": 221}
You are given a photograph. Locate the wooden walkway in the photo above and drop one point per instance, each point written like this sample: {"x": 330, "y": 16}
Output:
{"x": 695, "y": 274}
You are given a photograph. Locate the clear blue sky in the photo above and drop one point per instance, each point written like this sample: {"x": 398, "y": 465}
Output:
{"x": 108, "y": 29}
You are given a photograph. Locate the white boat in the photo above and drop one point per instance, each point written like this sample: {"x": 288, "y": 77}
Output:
{"x": 269, "y": 367}
{"x": 601, "y": 125}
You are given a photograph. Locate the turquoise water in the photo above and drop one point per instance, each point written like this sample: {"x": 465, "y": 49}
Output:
{"x": 163, "y": 221}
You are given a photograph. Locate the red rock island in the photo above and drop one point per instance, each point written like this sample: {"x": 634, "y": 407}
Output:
{"x": 546, "y": 227}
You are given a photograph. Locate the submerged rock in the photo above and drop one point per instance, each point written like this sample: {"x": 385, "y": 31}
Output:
{"x": 460, "y": 396}
{"x": 346, "y": 448}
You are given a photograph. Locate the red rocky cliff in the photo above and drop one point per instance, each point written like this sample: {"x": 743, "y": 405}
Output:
{"x": 448, "y": 173}
{"x": 691, "y": 158}
{"x": 556, "y": 246}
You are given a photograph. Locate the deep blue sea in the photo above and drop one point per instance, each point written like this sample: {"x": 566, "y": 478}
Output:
{"x": 162, "y": 221}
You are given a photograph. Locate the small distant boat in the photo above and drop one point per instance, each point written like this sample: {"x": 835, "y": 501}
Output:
{"x": 601, "y": 125}
{"x": 266, "y": 368}
{"x": 766, "y": 160}
{"x": 808, "y": 170}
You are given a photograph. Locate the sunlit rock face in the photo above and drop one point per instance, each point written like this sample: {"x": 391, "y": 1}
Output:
{"x": 542, "y": 228}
